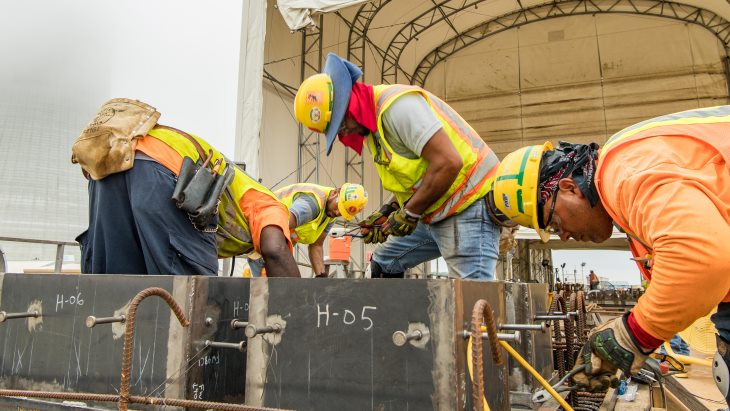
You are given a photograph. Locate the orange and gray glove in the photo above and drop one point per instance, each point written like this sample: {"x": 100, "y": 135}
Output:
{"x": 610, "y": 347}
{"x": 371, "y": 228}
{"x": 401, "y": 223}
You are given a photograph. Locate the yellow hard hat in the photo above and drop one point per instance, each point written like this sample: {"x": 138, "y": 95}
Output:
{"x": 352, "y": 199}
{"x": 322, "y": 99}
{"x": 313, "y": 102}
{"x": 516, "y": 186}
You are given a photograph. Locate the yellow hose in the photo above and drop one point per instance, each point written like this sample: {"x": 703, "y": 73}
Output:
{"x": 525, "y": 364}
{"x": 685, "y": 358}
{"x": 537, "y": 375}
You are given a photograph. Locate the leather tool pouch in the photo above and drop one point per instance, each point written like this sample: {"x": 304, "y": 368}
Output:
{"x": 107, "y": 144}
{"x": 198, "y": 190}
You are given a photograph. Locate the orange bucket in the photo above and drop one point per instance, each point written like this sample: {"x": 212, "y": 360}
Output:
{"x": 339, "y": 248}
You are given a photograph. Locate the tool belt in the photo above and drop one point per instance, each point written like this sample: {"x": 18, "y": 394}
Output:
{"x": 199, "y": 186}
{"x": 107, "y": 144}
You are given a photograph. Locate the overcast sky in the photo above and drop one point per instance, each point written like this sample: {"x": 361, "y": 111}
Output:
{"x": 615, "y": 265}
{"x": 180, "y": 56}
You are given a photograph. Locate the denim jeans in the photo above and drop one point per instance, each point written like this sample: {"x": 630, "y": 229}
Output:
{"x": 468, "y": 241}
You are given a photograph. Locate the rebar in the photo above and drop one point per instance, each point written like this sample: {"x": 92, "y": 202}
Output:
{"x": 135, "y": 399}
{"x": 482, "y": 313}
{"x": 124, "y": 397}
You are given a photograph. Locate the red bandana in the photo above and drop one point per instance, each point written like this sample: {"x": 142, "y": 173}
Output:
{"x": 362, "y": 109}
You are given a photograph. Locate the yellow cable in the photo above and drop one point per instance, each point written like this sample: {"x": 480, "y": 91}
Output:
{"x": 686, "y": 359}
{"x": 537, "y": 375}
{"x": 522, "y": 362}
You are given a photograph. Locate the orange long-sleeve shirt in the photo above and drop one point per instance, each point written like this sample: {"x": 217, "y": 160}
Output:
{"x": 673, "y": 192}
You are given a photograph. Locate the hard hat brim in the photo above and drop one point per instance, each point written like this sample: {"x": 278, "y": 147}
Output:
{"x": 343, "y": 74}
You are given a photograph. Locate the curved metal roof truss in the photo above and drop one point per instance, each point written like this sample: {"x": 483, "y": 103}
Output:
{"x": 657, "y": 8}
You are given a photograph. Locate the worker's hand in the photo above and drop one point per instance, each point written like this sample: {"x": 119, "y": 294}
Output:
{"x": 400, "y": 224}
{"x": 610, "y": 347}
{"x": 371, "y": 227}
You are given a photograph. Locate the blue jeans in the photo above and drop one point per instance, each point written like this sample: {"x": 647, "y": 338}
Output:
{"x": 468, "y": 241}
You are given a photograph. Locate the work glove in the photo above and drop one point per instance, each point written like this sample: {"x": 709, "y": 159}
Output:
{"x": 400, "y": 224}
{"x": 610, "y": 347}
{"x": 371, "y": 227}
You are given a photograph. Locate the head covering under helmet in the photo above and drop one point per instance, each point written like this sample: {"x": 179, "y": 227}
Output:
{"x": 577, "y": 161}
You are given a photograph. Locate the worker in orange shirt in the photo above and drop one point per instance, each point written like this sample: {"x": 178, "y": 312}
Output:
{"x": 176, "y": 207}
{"x": 665, "y": 182}
{"x": 312, "y": 212}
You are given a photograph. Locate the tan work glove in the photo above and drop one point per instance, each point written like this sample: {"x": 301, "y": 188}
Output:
{"x": 610, "y": 347}
{"x": 400, "y": 224}
{"x": 371, "y": 227}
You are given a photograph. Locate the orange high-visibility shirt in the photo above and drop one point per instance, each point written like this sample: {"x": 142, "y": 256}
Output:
{"x": 673, "y": 192}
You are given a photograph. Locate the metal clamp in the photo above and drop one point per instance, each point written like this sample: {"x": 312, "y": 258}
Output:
{"x": 401, "y": 338}
{"x": 515, "y": 337}
{"x": 252, "y": 331}
{"x": 9, "y": 316}
{"x": 236, "y": 324}
{"x": 542, "y": 327}
{"x": 240, "y": 346}
{"x": 92, "y": 321}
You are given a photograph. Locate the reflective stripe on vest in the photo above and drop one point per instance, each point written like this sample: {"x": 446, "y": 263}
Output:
{"x": 307, "y": 233}
{"x": 233, "y": 236}
{"x": 710, "y": 125}
{"x": 402, "y": 176}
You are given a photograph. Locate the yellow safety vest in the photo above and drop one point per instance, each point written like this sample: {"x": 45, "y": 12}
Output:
{"x": 710, "y": 125}
{"x": 307, "y": 233}
{"x": 233, "y": 236}
{"x": 402, "y": 176}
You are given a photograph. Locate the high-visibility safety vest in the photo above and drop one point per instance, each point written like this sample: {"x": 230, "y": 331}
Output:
{"x": 307, "y": 233}
{"x": 710, "y": 125}
{"x": 402, "y": 176}
{"x": 233, "y": 236}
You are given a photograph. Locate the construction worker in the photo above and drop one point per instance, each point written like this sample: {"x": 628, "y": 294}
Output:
{"x": 666, "y": 183}
{"x": 593, "y": 280}
{"x": 135, "y": 226}
{"x": 312, "y": 212}
{"x": 431, "y": 160}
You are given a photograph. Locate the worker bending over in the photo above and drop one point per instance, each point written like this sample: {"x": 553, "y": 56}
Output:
{"x": 666, "y": 183}
{"x": 436, "y": 166}
{"x": 162, "y": 201}
{"x": 312, "y": 212}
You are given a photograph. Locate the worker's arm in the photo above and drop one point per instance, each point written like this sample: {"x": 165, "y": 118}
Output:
{"x": 444, "y": 164}
{"x": 316, "y": 254}
{"x": 413, "y": 130}
{"x": 268, "y": 223}
{"x": 278, "y": 258}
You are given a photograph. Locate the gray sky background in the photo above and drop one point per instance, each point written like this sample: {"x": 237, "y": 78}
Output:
{"x": 180, "y": 56}
{"x": 615, "y": 265}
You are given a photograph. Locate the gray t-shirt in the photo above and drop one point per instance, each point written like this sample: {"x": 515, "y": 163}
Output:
{"x": 305, "y": 209}
{"x": 409, "y": 123}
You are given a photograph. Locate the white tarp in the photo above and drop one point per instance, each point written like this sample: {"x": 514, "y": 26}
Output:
{"x": 250, "y": 95}
{"x": 297, "y": 13}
